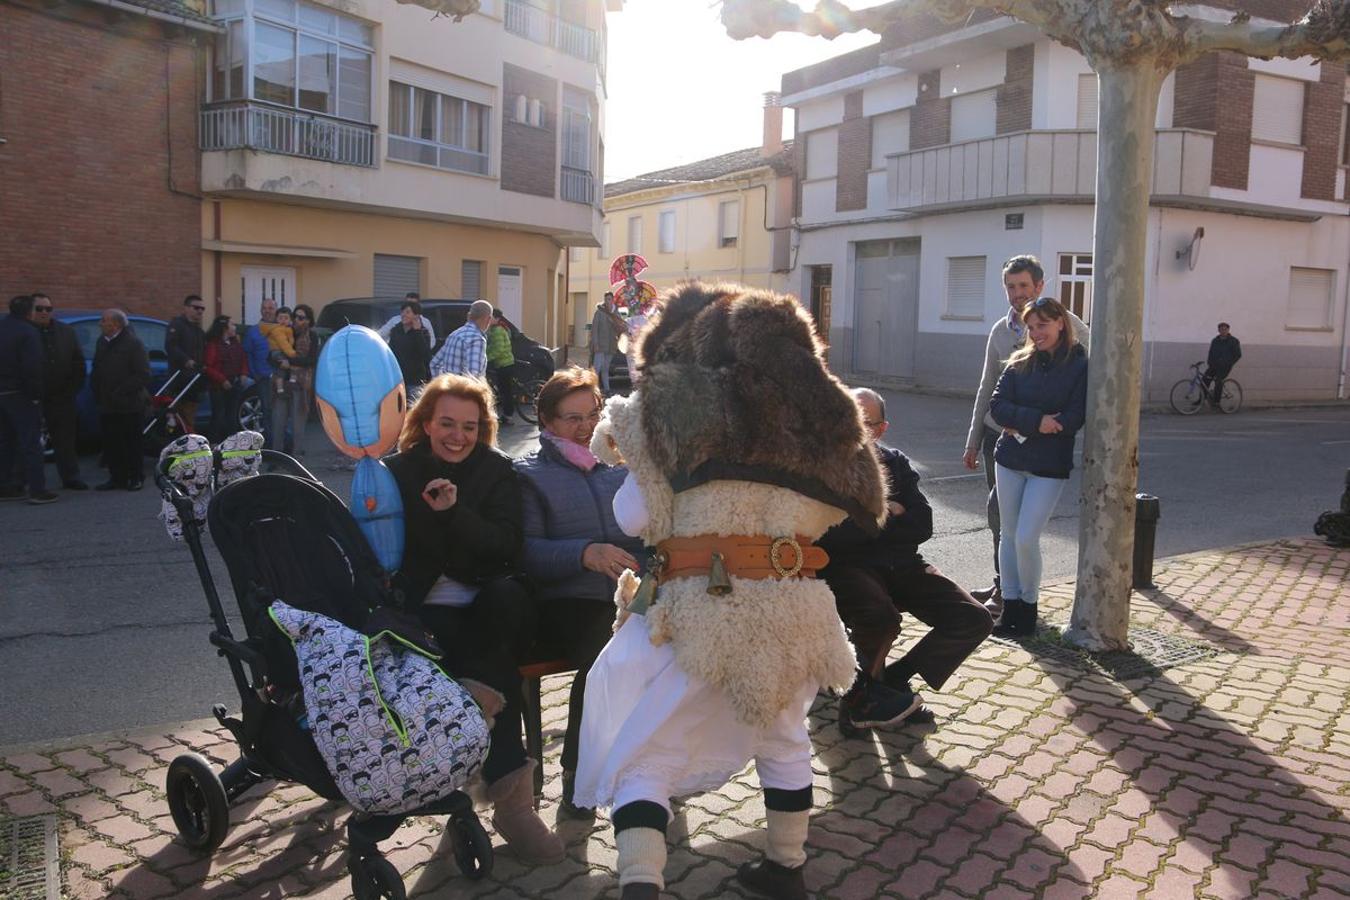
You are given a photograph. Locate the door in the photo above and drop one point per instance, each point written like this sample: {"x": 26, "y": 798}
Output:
{"x": 510, "y": 293}
{"x": 265, "y": 283}
{"x": 395, "y": 276}
{"x": 886, "y": 307}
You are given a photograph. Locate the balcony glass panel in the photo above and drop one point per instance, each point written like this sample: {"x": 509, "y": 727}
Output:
{"x": 354, "y": 85}
{"x": 274, "y": 64}
{"x": 318, "y": 75}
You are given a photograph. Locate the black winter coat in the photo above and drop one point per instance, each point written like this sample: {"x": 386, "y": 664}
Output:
{"x": 1051, "y": 386}
{"x": 121, "y": 374}
{"x": 1224, "y": 352}
{"x": 20, "y": 358}
{"x": 897, "y": 546}
{"x": 412, "y": 349}
{"x": 186, "y": 341}
{"x": 62, "y": 362}
{"x": 475, "y": 541}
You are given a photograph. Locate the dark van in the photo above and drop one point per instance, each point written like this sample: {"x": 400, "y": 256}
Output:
{"x": 445, "y": 316}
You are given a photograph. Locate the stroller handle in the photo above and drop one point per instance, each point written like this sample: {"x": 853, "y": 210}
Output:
{"x": 278, "y": 461}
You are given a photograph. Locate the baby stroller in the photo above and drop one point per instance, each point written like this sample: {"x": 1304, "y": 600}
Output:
{"x": 287, "y": 536}
{"x": 166, "y": 420}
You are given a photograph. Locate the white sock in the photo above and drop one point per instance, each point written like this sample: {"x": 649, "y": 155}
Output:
{"x": 786, "y": 839}
{"x": 642, "y": 856}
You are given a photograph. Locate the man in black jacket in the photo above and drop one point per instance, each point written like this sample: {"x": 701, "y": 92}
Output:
{"x": 62, "y": 378}
{"x": 411, "y": 344}
{"x": 874, "y": 579}
{"x": 119, "y": 380}
{"x": 21, "y": 405}
{"x": 185, "y": 345}
{"x": 1224, "y": 352}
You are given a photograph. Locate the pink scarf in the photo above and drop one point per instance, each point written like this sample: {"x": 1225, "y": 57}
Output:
{"x": 577, "y": 455}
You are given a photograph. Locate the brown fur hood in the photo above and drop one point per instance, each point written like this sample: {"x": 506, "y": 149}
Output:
{"x": 735, "y": 385}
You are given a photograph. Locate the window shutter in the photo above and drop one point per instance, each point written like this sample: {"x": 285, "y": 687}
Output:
{"x": 1087, "y": 101}
{"x": 397, "y": 275}
{"x": 1277, "y": 110}
{"x": 471, "y": 279}
{"x": 890, "y": 134}
{"x": 965, "y": 286}
{"x": 729, "y": 222}
{"x": 1310, "y": 298}
{"x": 634, "y": 235}
{"x": 667, "y": 236}
{"x": 974, "y": 116}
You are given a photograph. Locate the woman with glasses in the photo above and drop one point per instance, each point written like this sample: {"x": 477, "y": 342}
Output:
{"x": 462, "y": 521}
{"x": 1040, "y": 402}
{"x": 227, "y": 369}
{"x": 574, "y": 549}
{"x": 295, "y": 386}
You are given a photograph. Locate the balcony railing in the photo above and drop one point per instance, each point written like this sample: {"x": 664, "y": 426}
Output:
{"x": 534, "y": 24}
{"x": 1037, "y": 164}
{"x": 578, "y": 185}
{"x": 231, "y": 126}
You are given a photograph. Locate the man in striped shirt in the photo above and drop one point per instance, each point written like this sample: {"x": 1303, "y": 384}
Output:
{"x": 465, "y": 350}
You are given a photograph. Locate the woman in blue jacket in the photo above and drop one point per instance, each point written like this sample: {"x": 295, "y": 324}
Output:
{"x": 1041, "y": 402}
{"x": 574, "y": 549}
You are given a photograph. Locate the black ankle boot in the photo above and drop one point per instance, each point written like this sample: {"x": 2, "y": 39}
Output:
{"x": 640, "y": 890}
{"x": 770, "y": 879}
{"x": 1018, "y": 620}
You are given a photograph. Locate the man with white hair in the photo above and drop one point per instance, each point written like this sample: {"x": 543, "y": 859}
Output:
{"x": 465, "y": 350}
{"x": 120, "y": 380}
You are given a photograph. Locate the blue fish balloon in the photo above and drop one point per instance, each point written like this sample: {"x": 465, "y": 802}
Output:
{"x": 378, "y": 509}
{"x": 360, "y": 393}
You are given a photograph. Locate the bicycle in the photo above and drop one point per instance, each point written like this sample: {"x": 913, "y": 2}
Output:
{"x": 1189, "y": 394}
{"x": 526, "y": 395}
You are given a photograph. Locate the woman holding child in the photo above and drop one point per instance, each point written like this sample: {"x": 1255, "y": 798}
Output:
{"x": 1041, "y": 402}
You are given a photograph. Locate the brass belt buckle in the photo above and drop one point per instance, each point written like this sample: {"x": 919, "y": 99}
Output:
{"x": 775, "y": 550}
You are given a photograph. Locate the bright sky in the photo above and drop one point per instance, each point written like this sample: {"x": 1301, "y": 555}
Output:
{"x": 681, "y": 90}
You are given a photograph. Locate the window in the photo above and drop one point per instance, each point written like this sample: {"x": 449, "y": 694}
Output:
{"x": 890, "y": 134}
{"x": 728, "y": 223}
{"x": 1075, "y": 284}
{"x": 576, "y": 129}
{"x": 437, "y": 129}
{"x": 574, "y": 254}
{"x": 1277, "y": 110}
{"x": 603, "y": 252}
{"x": 965, "y": 287}
{"x": 471, "y": 279}
{"x": 974, "y": 115}
{"x": 1087, "y": 101}
{"x": 1311, "y": 299}
{"x": 300, "y": 55}
{"x": 822, "y": 154}
{"x": 666, "y": 238}
{"x": 634, "y": 234}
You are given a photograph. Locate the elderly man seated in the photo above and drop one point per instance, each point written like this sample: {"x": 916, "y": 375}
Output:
{"x": 874, "y": 579}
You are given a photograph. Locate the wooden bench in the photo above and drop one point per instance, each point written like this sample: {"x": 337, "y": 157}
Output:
{"x": 534, "y": 673}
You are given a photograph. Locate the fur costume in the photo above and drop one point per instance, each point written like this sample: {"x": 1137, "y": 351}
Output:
{"x": 736, "y": 428}
{"x": 765, "y": 402}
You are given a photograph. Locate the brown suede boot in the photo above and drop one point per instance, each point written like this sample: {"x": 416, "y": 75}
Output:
{"x": 513, "y": 815}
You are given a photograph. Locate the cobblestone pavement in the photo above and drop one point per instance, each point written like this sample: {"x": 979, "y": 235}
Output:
{"x": 1228, "y": 776}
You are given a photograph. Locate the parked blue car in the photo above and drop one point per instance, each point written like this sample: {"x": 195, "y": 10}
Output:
{"x": 151, "y": 331}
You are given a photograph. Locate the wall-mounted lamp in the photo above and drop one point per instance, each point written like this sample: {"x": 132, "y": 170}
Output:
{"x": 1191, "y": 252}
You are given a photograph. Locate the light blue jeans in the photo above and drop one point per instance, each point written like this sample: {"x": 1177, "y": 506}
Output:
{"x": 601, "y": 366}
{"x": 1025, "y": 503}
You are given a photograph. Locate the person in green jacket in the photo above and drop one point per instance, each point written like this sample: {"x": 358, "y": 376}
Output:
{"x": 501, "y": 364}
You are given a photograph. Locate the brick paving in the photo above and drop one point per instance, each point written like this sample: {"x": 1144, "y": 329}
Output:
{"x": 1228, "y": 777}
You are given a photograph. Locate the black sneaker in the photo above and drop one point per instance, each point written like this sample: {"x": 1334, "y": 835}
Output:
{"x": 75, "y": 484}
{"x": 12, "y": 493}
{"x": 769, "y": 879}
{"x": 922, "y": 715}
{"x": 135, "y": 484}
{"x": 640, "y": 890}
{"x": 872, "y": 704}
{"x": 110, "y": 485}
{"x": 41, "y": 497}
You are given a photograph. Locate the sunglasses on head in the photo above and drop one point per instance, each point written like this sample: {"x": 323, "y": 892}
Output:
{"x": 1041, "y": 302}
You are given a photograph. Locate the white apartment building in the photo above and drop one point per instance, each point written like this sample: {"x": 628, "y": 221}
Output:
{"x": 928, "y": 159}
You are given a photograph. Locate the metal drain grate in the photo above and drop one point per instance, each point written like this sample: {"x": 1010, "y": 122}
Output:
{"x": 1151, "y": 652}
{"x": 29, "y": 865}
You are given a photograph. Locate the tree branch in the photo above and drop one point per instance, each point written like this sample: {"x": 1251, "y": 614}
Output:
{"x": 1323, "y": 33}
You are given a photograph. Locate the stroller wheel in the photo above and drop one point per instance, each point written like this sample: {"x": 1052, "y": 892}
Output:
{"x": 197, "y": 802}
{"x": 375, "y": 878}
{"x": 471, "y": 845}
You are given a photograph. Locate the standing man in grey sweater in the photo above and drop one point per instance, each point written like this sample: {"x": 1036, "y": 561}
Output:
{"x": 1024, "y": 280}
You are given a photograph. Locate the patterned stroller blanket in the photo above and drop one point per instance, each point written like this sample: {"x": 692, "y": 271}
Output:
{"x": 192, "y": 467}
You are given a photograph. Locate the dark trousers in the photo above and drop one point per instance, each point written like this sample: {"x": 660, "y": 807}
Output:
{"x": 21, "y": 441}
{"x": 60, "y": 418}
{"x": 502, "y": 379}
{"x": 991, "y": 505}
{"x": 224, "y": 413}
{"x": 1214, "y": 377}
{"x": 121, "y": 434}
{"x": 472, "y": 648}
{"x": 572, "y": 628}
{"x": 871, "y": 598}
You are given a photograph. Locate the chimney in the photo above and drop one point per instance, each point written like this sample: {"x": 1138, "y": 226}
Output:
{"x": 773, "y": 125}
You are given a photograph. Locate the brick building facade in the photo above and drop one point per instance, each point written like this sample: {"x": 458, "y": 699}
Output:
{"x": 99, "y": 169}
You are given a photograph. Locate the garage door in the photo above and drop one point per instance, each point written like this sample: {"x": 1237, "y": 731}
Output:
{"x": 397, "y": 275}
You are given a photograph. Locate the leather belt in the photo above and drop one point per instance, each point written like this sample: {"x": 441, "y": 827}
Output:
{"x": 745, "y": 556}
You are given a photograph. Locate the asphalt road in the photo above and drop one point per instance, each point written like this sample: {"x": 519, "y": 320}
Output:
{"x": 105, "y": 626}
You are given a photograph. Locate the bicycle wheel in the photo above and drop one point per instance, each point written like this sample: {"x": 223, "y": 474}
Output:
{"x": 1231, "y": 399}
{"x": 526, "y": 395}
{"x": 1187, "y": 397}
